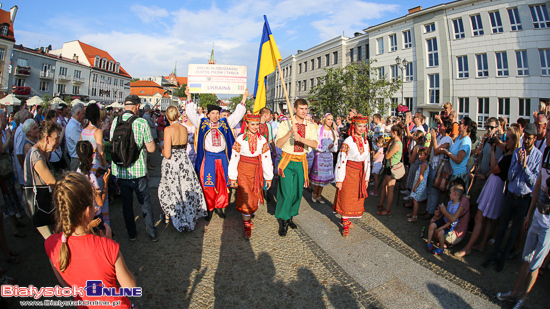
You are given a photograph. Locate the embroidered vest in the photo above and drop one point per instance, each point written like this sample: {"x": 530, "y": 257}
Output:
{"x": 203, "y": 129}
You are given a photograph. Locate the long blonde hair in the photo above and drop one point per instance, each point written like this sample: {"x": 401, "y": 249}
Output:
{"x": 72, "y": 195}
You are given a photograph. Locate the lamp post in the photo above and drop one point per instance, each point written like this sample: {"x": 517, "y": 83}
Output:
{"x": 402, "y": 64}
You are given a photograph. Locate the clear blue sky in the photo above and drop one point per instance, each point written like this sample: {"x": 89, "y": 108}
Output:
{"x": 147, "y": 38}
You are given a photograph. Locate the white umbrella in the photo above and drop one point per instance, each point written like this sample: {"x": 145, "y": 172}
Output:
{"x": 10, "y": 99}
{"x": 36, "y": 100}
{"x": 76, "y": 101}
{"x": 57, "y": 100}
{"x": 92, "y": 101}
{"x": 115, "y": 105}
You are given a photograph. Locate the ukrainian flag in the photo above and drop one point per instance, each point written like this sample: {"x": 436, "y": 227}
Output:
{"x": 267, "y": 63}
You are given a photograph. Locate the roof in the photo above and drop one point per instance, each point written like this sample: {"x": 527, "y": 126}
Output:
{"x": 182, "y": 80}
{"x": 91, "y": 52}
{"x": 147, "y": 88}
{"x": 5, "y": 19}
{"x": 52, "y": 56}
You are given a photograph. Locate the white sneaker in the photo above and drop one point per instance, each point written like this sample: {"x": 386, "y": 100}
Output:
{"x": 406, "y": 198}
{"x": 506, "y": 296}
{"x": 405, "y": 192}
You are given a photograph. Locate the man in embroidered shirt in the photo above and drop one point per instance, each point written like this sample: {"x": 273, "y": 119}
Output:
{"x": 134, "y": 177}
{"x": 294, "y": 141}
{"x": 522, "y": 176}
{"x": 213, "y": 145}
{"x": 72, "y": 133}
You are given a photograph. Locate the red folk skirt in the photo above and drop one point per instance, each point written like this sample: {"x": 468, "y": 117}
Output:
{"x": 250, "y": 182}
{"x": 349, "y": 201}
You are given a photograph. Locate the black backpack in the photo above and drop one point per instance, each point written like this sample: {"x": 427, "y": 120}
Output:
{"x": 124, "y": 150}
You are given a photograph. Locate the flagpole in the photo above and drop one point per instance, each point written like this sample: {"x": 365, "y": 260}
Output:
{"x": 286, "y": 93}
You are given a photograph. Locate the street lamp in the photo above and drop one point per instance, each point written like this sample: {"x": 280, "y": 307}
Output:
{"x": 402, "y": 64}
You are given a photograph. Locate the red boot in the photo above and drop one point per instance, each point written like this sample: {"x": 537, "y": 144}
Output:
{"x": 346, "y": 225}
{"x": 247, "y": 229}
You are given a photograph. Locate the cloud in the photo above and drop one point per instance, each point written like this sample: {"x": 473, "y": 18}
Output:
{"x": 149, "y": 15}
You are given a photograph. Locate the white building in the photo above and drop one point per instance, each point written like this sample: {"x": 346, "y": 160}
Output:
{"x": 7, "y": 40}
{"x": 109, "y": 82}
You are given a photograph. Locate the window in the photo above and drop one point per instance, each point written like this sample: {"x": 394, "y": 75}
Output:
{"x": 409, "y": 103}
{"x": 46, "y": 67}
{"x": 109, "y": 80}
{"x": 77, "y": 73}
{"x": 407, "y": 41}
{"x": 111, "y": 65}
{"x": 409, "y": 72}
{"x": 22, "y": 62}
{"x": 312, "y": 64}
{"x": 525, "y": 108}
{"x": 318, "y": 62}
{"x": 289, "y": 74}
{"x": 351, "y": 55}
{"x": 104, "y": 63}
{"x": 482, "y": 111}
{"x": 523, "y": 66}
{"x": 115, "y": 81}
{"x": 300, "y": 68}
{"x": 433, "y": 91}
{"x": 393, "y": 42}
{"x": 380, "y": 45}
{"x": 63, "y": 71}
{"x": 305, "y": 85}
{"x": 335, "y": 56}
{"x": 430, "y": 27}
{"x": 482, "y": 66}
{"x": 44, "y": 86}
{"x": 394, "y": 72}
{"x": 496, "y": 22}
{"x": 94, "y": 77}
{"x": 381, "y": 72}
{"x": 5, "y": 30}
{"x": 61, "y": 88}
{"x": 545, "y": 62}
{"x": 462, "y": 66}
{"x": 463, "y": 108}
{"x": 305, "y": 66}
{"x": 504, "y": 107}
{"x": 433, "y": 59}
{"x": 94, "y": 92}
{"x": 477, "y": 26}
{"x": 539, "y": 13}
{"x": 97, "y": 61}
{"x": 502, "y": 64}
{"x": 459, "y": 28}
{"x": 2, "y": 54}
{"x": 312, "y": 83}
{"x": 19, "y": 82}
{"x": 327, "y": 59}
{"x": 359, "y": 53}
{"x": 76, "y": 89}
{"x": 515, "y": 22}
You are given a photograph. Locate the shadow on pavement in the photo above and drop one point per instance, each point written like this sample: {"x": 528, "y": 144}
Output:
{"x": 446, "y": 298}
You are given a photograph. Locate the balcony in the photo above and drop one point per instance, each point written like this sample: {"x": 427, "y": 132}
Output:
{"x": 63, "y": 78}
{"x": 46, "y": 75}
{"x": 78, "y": 80}
{"x": 22, "y": 71}
{"x": 21, "y": 91}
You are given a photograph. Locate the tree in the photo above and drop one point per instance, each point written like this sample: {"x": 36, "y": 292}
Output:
{"x": 46, "y": 100}
{"x": 357, "y": 86}
{"x": 134, "y": 80}
{"x": 68, "y": 100}
{"x": 180, "y": 92}
{"x": 207, "y": 98}
{"x": 238, "y": 99}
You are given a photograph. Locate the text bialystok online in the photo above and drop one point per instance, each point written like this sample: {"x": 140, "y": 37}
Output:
{"x": 93, "y": 288}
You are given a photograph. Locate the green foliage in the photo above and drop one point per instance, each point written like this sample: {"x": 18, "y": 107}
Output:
{"x": 180, "y": 92}
{"x": 46, "y": 100}
{"x": 355, "y": 86}
{"x": 207, "y": 98}
{"x": 234, "y": 101}
{"x": 134, "y": 80}
{"x": 68, "y": 100}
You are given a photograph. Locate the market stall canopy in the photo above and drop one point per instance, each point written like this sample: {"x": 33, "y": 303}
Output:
{"x": 10, "y": 99}
{"x": 36, "y": 100}
{"x": 115, "y": 105}
{"x": 57, "y": 100}
{"x": 76, "y": 101}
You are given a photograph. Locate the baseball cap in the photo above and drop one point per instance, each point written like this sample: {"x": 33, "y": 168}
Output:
{"x": 132, "y": 100}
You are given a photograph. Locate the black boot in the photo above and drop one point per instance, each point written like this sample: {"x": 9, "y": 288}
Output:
{"x": 283, "y": 227}
{"x": 291, "y": 224}
{"x": 500, "y": 265}
{"x": 209, "y": 216}
{"x": 219, "y": 212}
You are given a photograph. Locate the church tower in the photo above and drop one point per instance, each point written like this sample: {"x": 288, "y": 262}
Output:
{"x": 212, "y": 60}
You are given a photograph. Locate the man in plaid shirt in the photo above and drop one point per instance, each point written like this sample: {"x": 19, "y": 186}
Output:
{"x": 134, "y": 178}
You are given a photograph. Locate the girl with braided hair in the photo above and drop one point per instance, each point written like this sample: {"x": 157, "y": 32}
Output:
{"x": 76, "y": 255}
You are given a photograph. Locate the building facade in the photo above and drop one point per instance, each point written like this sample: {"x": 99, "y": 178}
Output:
{"x": 7, "y": 40}
{"x": 488, "y": 58}
{"x": 151, "y": 93}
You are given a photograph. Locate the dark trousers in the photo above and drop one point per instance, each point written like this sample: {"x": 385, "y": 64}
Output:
{"x": 141, "y": 187}
{"x": 512, "y": 210}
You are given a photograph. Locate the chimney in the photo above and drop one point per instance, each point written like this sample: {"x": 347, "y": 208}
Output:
{"x": 415, "y": 9}
{"x": 300, "y": 51}
{"x": 75, "y": 57}
{"x": 13, "y": 12}
{"x": 356, "y": 34}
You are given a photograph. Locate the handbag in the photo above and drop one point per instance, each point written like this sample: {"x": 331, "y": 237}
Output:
{"x": 398, "y": 170}
{"x": 6, "y": 167}
{"x": 443, "y": 175}
{"x": 39, "y": 204}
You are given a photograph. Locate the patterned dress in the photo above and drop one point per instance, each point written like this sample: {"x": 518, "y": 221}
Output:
{"x": 180, "y": 192}
{"x": 421, "y": 193}
{"x": 321, "y": 172}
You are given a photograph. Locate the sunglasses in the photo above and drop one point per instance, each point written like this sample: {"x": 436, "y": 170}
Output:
{"x": 490, "y": 127}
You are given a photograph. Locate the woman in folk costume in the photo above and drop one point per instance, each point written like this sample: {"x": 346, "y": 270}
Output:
{"x": 214, "y": 141}
{"x": 352, "y": 174}
{"x": 322, "y": 170}
{"x": 250, "y": 164}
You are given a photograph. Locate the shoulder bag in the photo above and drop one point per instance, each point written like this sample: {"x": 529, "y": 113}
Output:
{"x": 443, "y": 175}
{"x": 39, "y": 204}
{"x": 398, "y": 169}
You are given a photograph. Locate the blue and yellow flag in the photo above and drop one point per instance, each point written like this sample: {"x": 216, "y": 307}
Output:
{"x": 267, "y": 63}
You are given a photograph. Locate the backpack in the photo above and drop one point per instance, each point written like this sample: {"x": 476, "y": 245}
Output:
{"x": 124, "y": 150}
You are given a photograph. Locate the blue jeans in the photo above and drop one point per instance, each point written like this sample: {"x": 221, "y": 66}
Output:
{"x": 537, "y": 246}
{"x": 434, "y": 195}
{"x": 141, "y": 187}
{"x": 512, "y": 210}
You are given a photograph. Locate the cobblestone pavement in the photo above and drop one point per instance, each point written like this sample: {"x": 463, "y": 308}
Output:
{"x": 214, "y": 266}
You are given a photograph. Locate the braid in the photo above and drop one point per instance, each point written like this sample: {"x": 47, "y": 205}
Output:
{"x": 66, "y": 228}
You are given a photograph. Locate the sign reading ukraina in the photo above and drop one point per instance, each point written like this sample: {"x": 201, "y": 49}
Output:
{"x": 216, "y": 78}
